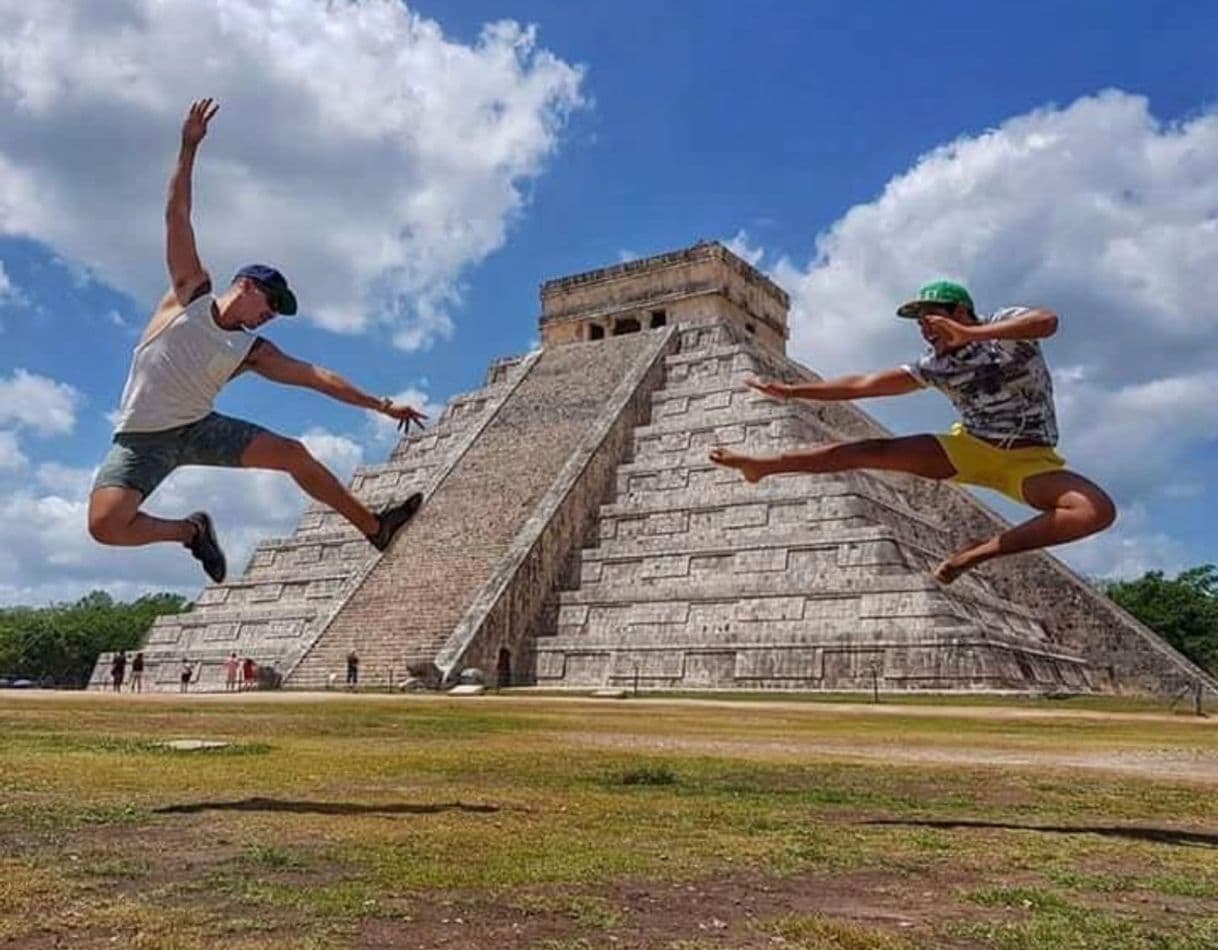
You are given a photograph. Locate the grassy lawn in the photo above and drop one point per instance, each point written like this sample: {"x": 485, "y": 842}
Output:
{"x": 542, "y": 822}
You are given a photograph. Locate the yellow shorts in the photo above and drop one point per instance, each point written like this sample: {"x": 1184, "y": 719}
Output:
{"x": 1004, "y": 470}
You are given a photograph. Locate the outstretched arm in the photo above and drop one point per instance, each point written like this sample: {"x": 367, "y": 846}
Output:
{"x": 889, "y": 382}
{"x": 266, "y": 359}
{"x": 186, "y": 273}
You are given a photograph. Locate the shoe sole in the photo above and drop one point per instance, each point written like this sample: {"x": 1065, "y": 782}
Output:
{"x": 203, "y": 519}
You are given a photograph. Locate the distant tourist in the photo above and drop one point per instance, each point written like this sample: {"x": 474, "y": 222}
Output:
{"x": 352, "y": 669}
{"x": 118, "y": 669}
{"x": 184, "y": 675}
{"x": 137, "y": 672}
{"x": 249, "y": 673}
{"x": 195, "y": 342}
{"x": 232, "y": 666}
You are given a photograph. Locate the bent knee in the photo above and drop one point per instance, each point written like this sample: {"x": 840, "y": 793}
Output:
{"x": 108, "y": 527}
{"x": 1097, "y": 508}
{"x": 1105, "y": 511}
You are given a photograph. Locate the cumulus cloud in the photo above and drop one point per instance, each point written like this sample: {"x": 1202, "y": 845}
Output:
{"x": 12, "y": 459}
{"x": 46, "y": 553}
{"x": 38, "y": 403}
{"x": 7, "y": 290}
{"x": 372, "y": 158}
{"x": 1099, "y": 211}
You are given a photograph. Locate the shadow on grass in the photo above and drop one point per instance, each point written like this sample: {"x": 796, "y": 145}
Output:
{"x": 1172, "y": 836}
{"x": 322, "y": 808}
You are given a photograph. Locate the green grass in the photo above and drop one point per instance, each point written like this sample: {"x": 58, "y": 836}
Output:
{"x": 817, "y": 932}
{"x": 354, "y": 820}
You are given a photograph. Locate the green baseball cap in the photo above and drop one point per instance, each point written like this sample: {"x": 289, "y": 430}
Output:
{"x": 937, "y": 291}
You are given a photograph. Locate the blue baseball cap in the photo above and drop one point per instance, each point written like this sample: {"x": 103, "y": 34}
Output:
{"x": 274, "y": 283}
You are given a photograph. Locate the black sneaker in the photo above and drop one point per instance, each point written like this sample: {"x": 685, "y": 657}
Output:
{"x": 393, "y": 519}
{"x": 205, "y": 547}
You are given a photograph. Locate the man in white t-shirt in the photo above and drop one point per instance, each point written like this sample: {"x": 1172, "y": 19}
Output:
{"x": 193, "y": 345}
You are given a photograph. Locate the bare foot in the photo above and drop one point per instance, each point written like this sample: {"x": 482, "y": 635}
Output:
{"x": 748, "y": 466}
{"x": 950, "y": 569}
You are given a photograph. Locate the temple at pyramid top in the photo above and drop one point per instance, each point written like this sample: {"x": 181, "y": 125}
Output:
{"x": 705, "y": 283}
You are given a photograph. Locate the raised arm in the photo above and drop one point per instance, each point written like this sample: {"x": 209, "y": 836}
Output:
{"x": 888, "y": 382}
{"x": 186, "y": 273}
{"x": 266, "y": 359}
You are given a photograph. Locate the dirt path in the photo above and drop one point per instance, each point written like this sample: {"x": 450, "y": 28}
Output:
{"x": 1193, "y": 765}
{"x": 889, "y": 707}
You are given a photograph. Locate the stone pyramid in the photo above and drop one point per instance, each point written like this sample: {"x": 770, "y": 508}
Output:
{"x": 575, "y": 534}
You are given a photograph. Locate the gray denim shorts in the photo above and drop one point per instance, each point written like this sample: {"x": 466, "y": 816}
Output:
{"x": 142, "y": 460}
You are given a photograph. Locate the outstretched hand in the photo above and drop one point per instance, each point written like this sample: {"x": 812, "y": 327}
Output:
{"x": 195, "y": 125}
{"x": 770, "y": 387}
{"x": 404, "y": 415}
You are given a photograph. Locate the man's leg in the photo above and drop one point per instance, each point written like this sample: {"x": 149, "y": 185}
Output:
{"x": 271, "y": 451}
{"x": 115, "y": 518}
{"x": 1073, "y": 507}
{"x": 915, "y": 454}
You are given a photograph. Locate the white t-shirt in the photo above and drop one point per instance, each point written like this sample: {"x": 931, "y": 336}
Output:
{"x": 176, "y": 374}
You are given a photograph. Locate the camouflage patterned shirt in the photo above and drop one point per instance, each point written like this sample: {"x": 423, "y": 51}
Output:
{"x": 1001, "y": 388}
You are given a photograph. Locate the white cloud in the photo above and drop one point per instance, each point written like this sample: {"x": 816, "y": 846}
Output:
{"x": 46, "y": 552}
{"x": 12, "y": 459}
{"x": 38, "y": 402}
{"x": 357, "y": 147}
{"x": 1098, "y": 211}
{"x": 7, "y": 290}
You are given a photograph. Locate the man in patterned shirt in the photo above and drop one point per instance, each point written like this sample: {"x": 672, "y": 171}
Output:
{"x": 992, "y": 370}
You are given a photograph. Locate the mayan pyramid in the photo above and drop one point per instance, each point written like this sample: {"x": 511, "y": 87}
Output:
{"x": 575, "y": 534}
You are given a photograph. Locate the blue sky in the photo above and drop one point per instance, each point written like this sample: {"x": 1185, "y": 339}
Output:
{"x": 1058, "y": 154}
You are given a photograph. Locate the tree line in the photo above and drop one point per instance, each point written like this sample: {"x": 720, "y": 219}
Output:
{"x": 61, "y": 642}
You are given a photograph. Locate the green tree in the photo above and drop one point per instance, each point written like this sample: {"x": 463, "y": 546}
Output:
{"x": 1183, "y": 610}
{"x": 62, "y": 641}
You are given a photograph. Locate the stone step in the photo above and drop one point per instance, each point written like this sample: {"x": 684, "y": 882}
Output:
{"x": 748, "y": 633}
{"x": 751, "y": 414}
{"x": 820, "y": 573}
{"x": 687, "y": 545}
{"x": 729, "y": 508}
{"x": 336, "y": 551}
{"x": 232, "y": 629}
{"x": 680, "y": 482}
{"x": 288, "y": 586}
{"x": 968, "y": 658}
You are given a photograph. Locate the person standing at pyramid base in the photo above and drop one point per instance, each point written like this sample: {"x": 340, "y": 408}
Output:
{"x": 992, "y": 370}
{"x": 193, "y": 345}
